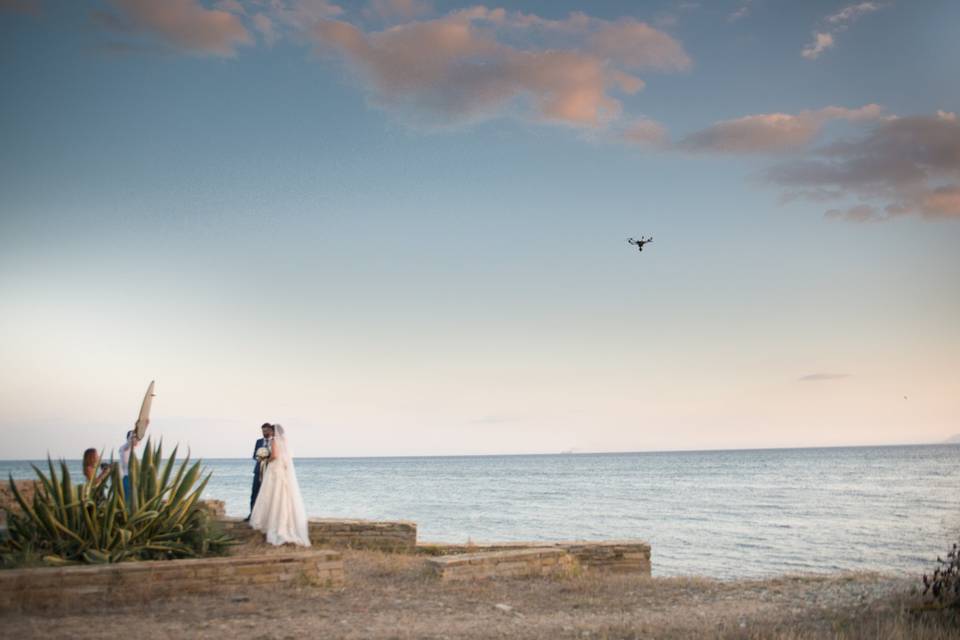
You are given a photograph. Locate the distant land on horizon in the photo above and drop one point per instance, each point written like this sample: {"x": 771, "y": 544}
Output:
{"x": 954, "y": 439}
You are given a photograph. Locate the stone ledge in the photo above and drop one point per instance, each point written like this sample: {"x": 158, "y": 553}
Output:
{"x": 619, "y": 556}
{"x": 78, "y": 586}
{"x": 383, "y": 535}
{"x": 491, "y": 564}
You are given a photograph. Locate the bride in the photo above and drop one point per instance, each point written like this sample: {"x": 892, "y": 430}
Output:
{"x": 279, "y": 511}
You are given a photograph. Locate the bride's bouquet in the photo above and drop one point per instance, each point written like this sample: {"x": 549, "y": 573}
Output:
{"x": 263, "y": 458}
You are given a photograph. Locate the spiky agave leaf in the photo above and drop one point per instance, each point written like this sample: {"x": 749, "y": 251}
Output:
{"x": 161, "y": 518}
{"x": 167, "y": 468}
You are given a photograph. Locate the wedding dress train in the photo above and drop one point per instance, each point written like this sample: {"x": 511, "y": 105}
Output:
{"x": 279, "y": 512}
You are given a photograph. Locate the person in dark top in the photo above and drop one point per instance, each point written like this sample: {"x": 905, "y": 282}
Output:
{"x": 261, "y": 453}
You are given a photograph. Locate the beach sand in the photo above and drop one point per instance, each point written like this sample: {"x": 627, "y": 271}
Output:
{"x": 393, "y": 596}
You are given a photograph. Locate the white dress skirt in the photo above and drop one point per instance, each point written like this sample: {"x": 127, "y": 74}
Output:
{"x": 279, "y": 512}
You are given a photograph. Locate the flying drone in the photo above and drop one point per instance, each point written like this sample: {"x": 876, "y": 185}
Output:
{"x": 639, "y": 243}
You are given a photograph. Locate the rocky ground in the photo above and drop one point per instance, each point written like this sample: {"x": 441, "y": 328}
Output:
{"x": 392, "y": 596}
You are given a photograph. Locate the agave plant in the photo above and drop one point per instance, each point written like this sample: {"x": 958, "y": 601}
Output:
{"x": 97, "y": 522}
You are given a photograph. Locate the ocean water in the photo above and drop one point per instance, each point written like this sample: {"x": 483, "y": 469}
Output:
{"x": 724, "y": 514}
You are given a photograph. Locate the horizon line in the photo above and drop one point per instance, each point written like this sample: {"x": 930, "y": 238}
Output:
{"x": 566, "y": 453}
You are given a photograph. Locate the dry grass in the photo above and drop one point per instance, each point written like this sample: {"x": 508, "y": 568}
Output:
{"x": 890, "y": 619}
{"x": 393, "y": 596}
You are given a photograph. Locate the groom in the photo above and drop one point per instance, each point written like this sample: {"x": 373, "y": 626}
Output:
{"x": 262, "y": 443}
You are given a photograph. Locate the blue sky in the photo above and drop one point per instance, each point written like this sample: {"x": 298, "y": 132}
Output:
{"x": 399, "y": 227}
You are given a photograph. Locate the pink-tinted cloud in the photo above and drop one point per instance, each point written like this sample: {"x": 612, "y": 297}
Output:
{"x": 852, "y": 12}
{"x": 821, "y": 42}
{"x": 751, "y": 134}
{"x": 626, "y": 42}
{"x": 902, "y": 166}
{"x": 637, "y": 45}
{"x": 472, "y": 64}
{"x": 230, "y": 6}
{"x": 771, "y": 132}
{"x": 835, "y": 23}
{"x": 184, "y": 25}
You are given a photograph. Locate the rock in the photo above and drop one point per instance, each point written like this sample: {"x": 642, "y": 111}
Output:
{"x": 503, "y": 607}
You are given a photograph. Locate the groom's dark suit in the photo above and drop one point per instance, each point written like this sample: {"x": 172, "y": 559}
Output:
{"x": 261, "y": 442}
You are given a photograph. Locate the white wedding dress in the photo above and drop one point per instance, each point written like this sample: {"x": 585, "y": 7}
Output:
{"x": 279, "y": 511}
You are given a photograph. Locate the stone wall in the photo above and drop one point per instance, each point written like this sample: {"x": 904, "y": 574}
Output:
{"x": 396, "y": 535}
{"x": 353, "y": 534}
{"x": 499, "y": 564}
{"x": 81, "y": 586}
{"x": 621, "y": 556}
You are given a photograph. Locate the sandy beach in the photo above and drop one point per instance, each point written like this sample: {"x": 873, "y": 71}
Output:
{"x": 392, "y": 596}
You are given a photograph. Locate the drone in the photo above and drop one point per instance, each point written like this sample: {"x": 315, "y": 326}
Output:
{"x": 639, "y": 243}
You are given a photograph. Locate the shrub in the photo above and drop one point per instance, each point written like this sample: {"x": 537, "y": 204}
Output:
{"x": 97, "y": 522}
{"x": 942, "y": 589}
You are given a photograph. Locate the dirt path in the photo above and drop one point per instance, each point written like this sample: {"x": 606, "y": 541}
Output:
{"x": 391, "y": 596}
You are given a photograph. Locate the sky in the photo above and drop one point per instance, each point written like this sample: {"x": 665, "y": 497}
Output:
{"x": 398, "y": 227}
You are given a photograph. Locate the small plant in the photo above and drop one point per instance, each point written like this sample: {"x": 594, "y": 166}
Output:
{"x": 96, "y": 522}
{"x": 430, "y": 550}
{"x": 942, "y": 589}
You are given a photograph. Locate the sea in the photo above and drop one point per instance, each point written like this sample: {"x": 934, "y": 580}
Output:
{"x": 721, "y": 514}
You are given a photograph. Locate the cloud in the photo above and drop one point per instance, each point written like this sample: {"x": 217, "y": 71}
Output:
{"x": 264, "y": 25}
{"x": 230, "y": 6}
{"x": 626, "y": 42}
{"x": 898, "y": 166}
{"x": 477, "y": 63}
{"x": 821, "y": 42}
{"x": 902, "y": 166}
{"x": 470, "y": 64}
{"x": 389, "y": 10}
{"x": 672, "y": 14}
{"x": 646, "y": 133}
{"x": 637, "y": 45}
{"x": 852, "y": 12}
{"x": 818, "y": 377}
{"x": 297, "y": 18}
{"x": 835, "y": 23}
{"x": 740, "y": 12}
{"x": 184, "y": 25}
{"x": 771, "y": 132}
